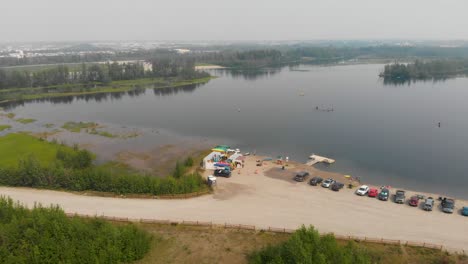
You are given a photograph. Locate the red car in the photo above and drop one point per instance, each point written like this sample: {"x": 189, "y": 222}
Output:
{"x": 414, "y": 201}
{"x": 373, "y": 192}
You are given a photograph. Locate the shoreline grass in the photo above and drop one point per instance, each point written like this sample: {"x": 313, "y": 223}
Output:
{"x": 25, "y": 120}
{"x": 76, "y": 127}
{"x": 4, "y": 127}
{"x": 27, "y": 161}
{"x": 93, "y": 131}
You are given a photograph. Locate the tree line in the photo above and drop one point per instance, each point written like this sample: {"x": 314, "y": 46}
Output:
{"x": 98, "y": 73}
{"x": 423, "y": 70}
{"x": 47, "y": 235}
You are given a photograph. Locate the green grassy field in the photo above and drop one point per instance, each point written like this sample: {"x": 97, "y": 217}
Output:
{"x": 14, "y": 147}
{"x": 4, "y": 127}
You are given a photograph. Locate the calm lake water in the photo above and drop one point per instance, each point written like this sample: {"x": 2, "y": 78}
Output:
{"x": 386, "y": 134}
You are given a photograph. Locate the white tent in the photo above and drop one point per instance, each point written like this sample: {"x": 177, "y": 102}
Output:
{"x": 208, "y": 163}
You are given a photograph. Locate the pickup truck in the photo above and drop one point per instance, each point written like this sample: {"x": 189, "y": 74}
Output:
{"x": 400, "y": 197}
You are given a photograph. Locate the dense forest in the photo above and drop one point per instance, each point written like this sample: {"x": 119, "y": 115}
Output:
{"x": 97, "y": 73}
{"x": 419, "y": 70}
{"x": 47, "y": 235}
{"x": 307, "y": 246}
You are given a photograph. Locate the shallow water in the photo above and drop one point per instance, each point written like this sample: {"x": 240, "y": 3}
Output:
{"x": 386, "y": 134}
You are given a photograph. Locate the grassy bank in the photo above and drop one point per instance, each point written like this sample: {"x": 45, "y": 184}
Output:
{"x": 196, "y": 244}
{"x": 4, "y": 127}
{"x": 47, "y": 235}
{"x": 8, "y": 95}
{"x": 14, "y": 147}
{"x": 30, "y": 162}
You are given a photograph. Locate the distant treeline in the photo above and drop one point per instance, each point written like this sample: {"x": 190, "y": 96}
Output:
{"x": 250, "y": 56}
{"x": 243, "y": 59}
{"x": 47, "y": 235}
{"x": 88, "y": 57}
{"x": 419, "y": 70}
{"x": 97, "y": 73}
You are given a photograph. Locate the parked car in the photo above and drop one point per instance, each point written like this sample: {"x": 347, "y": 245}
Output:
{"x": 384, "y": 194}
{"x": 464, "y": 211}
{"x": 301, "y": 176}
{"x": 373, "y": 192}
{"x": 414, "y": 201}
{"x": 211, "y": 180}
{"x": 327, "y": 183}
{"x": 337, "y": 186}
{"x": 448, "y": 205}
{"x": 363, "y": 190}
{"x": 315, "y": 181}
{"x": 400, "y": 197}
{"x": 428, "y": 204}
{"x": 222, "y": 173}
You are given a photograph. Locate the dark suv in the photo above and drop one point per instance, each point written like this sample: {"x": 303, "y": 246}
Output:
{"x": 315, "y": 181}
{"x": 383, "y": 194}
{"x": 448, "y": 205}
{"x": 337, "y": 186}
{"x": 222, "y": 173}
{"x": 301, "y": 176}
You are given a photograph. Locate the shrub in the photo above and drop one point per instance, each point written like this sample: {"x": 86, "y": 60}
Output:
{"x": 30, "y": 174}
{"x": 47, "y": 235}
{"x": 307, "y": 246}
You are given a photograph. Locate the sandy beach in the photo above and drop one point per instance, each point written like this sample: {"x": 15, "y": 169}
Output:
{"x": 268, "y": 197}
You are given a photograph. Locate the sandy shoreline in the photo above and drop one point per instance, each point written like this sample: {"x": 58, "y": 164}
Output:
{"x": 209, "y": 67}
{"x": 254, "y": 196}
{"x": 341, "y": 178}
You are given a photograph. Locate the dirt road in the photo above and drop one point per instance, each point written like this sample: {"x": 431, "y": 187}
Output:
{"x": 255, "y": 199}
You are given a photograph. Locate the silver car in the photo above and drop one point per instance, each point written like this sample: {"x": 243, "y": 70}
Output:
{"x": 428, "y": 204}
{"x": 327, "y": 183}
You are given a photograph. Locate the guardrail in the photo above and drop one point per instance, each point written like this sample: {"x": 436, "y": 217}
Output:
{"x": 269, "y": 229}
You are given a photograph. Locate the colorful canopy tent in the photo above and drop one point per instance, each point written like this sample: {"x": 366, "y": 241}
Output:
{"x": 221, "y": 148}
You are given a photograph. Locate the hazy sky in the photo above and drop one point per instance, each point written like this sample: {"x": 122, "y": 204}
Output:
{"x": 37, "y": 20}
